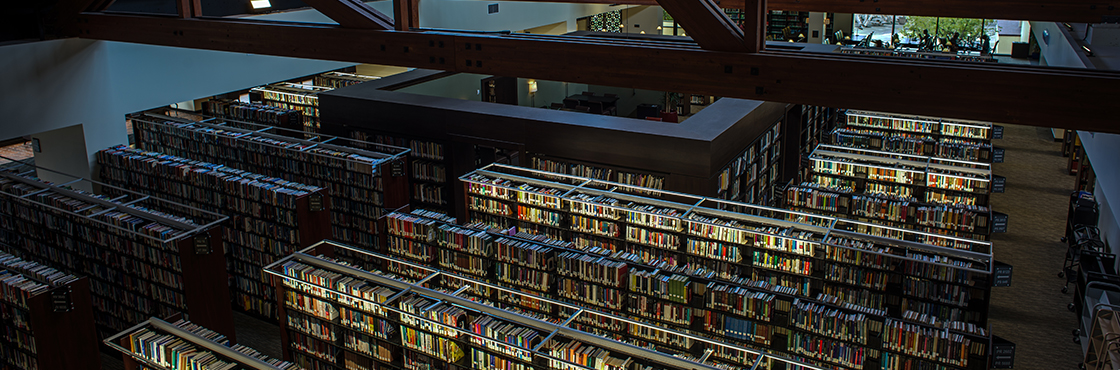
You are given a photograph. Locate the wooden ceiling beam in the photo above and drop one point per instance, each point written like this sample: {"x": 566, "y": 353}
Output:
{"x": 709, "y": 26}
{"x": 1077, "y": 11}
{"x": 1047, "y": 97}
{"x": 189, "y": 8}
{"x": 352, "y": 14}
{"x": 407, "y": 14}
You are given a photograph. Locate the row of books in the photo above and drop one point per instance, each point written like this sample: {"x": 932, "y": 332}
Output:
{"x": 752, "y": 305}
{"x": 253, "y": 112}
{"x": 673, "y": 287}
{"x": 601, "y": 173}
{"x": 22, "y": 279}
{"x": 172, "y": 351}
{"x": 349, "y": 175}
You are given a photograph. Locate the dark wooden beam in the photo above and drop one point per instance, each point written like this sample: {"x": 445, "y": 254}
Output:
{"x": 352, "y": 14}
{"x": 1079, "y": 11}
{"x": 1048, "y": 97}
{"x": 407, "y": 14}
{"x": 708, "y": 25}
{"x": 189, "y": 8}
{"x": 754, "y": 24}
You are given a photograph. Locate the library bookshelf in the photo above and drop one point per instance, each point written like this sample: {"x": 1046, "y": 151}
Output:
{"x": 259, "y": 113}
{"x": 271, "y": 217}
{"x": 751, "y": 175}
{"x": 871, "y": 269}
{"x": 182, "y": 344}
{"x": 723, "y": 306}
{"x": 816, "y": 124}
{"x": 140, "y": 259}
{"x": 920, "y": 135}
{"x": 48, "y": 317}
{"x": 936, "y": 195}
{"x": 446, "y": 321}
{"x": 362, "y": 178}
{"x": 287, "y": 95}
{"x": 337, "y": 79}
{"x": 429, "y": 166}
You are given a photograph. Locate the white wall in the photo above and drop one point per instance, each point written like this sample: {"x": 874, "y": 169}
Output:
{"x": 61, "y": 83}
{"x": 1103, "y": 151}
{"x": 548, "y": 92}
{"x": 57, "y": 148}
{"x": 643, "y": 18}
{"x": 1060, "y": 51}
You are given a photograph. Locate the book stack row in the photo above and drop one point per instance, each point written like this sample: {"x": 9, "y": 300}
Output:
{"x": 105, "y": 234}
{"x": 352, "y": 177}
{"x": 267, "y": 210}
{"x": 174, "y": 350}
{"x": 253, "y": 112}
{"x": 670, "y": 287}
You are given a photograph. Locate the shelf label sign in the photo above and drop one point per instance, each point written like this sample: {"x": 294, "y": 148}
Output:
{"x": 202, "y": 244}
{"x": 997, "y": 132}
{"x": 998, "y": 183}
{"x": 999, "y": 222}
{"x": 997, "y": 155}
{"x": 1001, "y": 274}
{"x": 60, "y": 300}
{"x": 315, "y": 202}
{"x": 1003, "y": 353}
{"x": 396, "y": 169}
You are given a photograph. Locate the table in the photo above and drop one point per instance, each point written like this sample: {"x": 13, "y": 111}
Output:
{"x": 608, "y": 103}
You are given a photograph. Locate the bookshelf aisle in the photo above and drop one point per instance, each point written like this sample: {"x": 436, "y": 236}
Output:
{"x": 48, "y": 317}
{"x": 898, "y": 276}
{"x": 449, "y": 321}
{"x": 271, "y": 217}
{"x": 181, "y": 344}
{"x": 920, "y": 135}
{"x": 140, "y": 260}
{"x": 935, "y": 195}
{"x": 362, "y": 178}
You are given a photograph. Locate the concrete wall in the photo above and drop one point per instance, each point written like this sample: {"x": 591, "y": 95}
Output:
{"x": 57, "y": 148}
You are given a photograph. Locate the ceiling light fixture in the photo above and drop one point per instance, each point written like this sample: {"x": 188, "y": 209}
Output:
{"x": 260, "y": 4}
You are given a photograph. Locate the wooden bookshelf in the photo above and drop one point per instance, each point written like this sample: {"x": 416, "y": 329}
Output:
{"x": 926, "y": 193}
{"x": 48, "y": 317}
{"x": 287, "y": 95}
{"x": 920, "y": 135}
{"x": 362, "y": 178}
{"x": 259, "y": 113}
{"x": 765, "y": 316}
{"x": 427, "y": 181}
{"x": 155, "y": 344}
{"x": 139, "y": 258}
{"x": 474, "y": 306}
{"x": 336, "y": 79}
{"x": 751, "y": 176}
{"x": 271, "y": 217}
{"x": 792, "y": 256}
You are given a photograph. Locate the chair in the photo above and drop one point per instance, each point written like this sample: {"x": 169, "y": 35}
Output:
{"x": 653, "y": 118}
{"x": 557, "y": 105}
{"x": 588, "y": 93}
{"x": 570, "y": 103}
{"x": 582, "y": 108}
{"x": 669, "y": 117}
{"x": 596, "y": 107}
